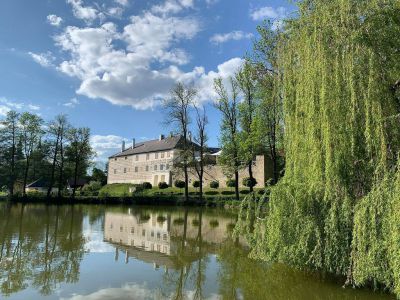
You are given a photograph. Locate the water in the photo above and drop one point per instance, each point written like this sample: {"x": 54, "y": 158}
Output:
{"x": 108, "y": 252}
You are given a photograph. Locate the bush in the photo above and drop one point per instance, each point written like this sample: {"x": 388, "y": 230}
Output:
{"x": 179, "y": 221}
{"x": 231, "y": 183}
{"x": 161, "y": 219}
{"x": 179, "y": 184}
{"x": 196, "y": 184}
{"x": 147, "y": 185}
{"x": 214, "y": 184}
{"x": 214, "y": 223}
{"x": 244, "y": 192}
{"x": 249, "y": 182}
{"x": 162, "y": 185}
{"x": 211, "y": 193}
{"x": 227, "y": 192}
{"x": 91, "y": 189}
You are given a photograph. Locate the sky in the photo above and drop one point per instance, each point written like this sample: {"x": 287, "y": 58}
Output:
{"x": 109, "y": 64}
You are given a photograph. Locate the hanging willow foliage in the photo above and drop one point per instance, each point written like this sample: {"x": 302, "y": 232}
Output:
{"x": 337, "y": 208}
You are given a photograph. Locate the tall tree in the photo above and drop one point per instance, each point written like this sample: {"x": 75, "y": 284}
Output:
{"x": 56, "y": 130}
{"x": 270, "y": 113}
{"x": 247, "y": 82}
{"x": 200, "y": 147}
{"x": 78, "y": 152}
{"x": 31, "y": 133}
{"x": 227, "y": 104}
{"x": 177, "y": 109}
{"x": 9, "y": 134}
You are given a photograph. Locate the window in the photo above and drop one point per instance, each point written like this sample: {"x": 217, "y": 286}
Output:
{"x": 132, "y": 230}
{"x": 162, "y": 154}
{"x": 147, "y": 168}
{"x": 152, "y": 234}
{"x": 132, "y": 242}
{"x": 121, "y": 229}
{"x": 155, "y": 168}
{"x": 168, "y": 154}
{"x": 156, "y": 155}
{"x": 115, "y": 159}
{"x": 147, "y": 156}
{"x": 124, "y": 170}
{"x": 158, "y": 236}
{"x": 136, "y": 169}
{"x": 164, "y": 236}
{"x": 143, "y": 232}
{"x": 115, "y": 171}
{"x": 161, "y": 167}
{"x": 137, "y": 157}
{"x": 126, "y": 157}
{"x": 167, "y": 167}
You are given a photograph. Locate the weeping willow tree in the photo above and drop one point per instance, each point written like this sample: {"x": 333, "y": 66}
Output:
{"x": 337, "y": 208}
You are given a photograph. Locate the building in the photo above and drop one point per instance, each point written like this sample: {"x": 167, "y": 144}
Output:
{"x": 155, "y": 161}
{"x": 40, "y": 186}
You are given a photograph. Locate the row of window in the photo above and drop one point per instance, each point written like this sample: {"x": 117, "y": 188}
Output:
{"x": 148, "y": 155}
{"x": 165, "y": 236}
{"x": 147, "y": 168}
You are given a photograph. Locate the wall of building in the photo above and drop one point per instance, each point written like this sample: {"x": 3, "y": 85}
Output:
{"x": 216, "y": 173}
{"x": 152, "y": 167}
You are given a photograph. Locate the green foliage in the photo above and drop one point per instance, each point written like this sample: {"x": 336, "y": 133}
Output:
{"x": 99, "y": 176}
{"x": 214, "y": 184}
{"x": 91, "y": 189}
{"x": 179, "y": 184}
{"x": 196, "y": 184}
{"x": 230, "y": 183}
{"x": 337, "y": 208}
{"x": 115, "y": 190}
{"x": 147, "y": 185}
{"x": 162, "y": 185}
{"x": 249, "y": 182}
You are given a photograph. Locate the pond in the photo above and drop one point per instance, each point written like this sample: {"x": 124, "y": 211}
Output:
{"x": 113, "y": 252}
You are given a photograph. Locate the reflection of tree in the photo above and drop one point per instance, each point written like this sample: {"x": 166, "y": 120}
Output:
{"x": 40, "y": 245}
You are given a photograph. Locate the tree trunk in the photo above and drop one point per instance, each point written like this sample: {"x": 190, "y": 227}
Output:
{"x": 13, "y": 150}
{"x": 237, "y": 185}
{"x": 53, "y": 167}
{"x": 185, "y": 169}
{"x": 61, "y": 176}
{"x": 26, "y": 175}
{"x": 251, "y": 176}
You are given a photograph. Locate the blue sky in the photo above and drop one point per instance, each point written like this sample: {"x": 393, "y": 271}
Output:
{"x": 107, "y": 64}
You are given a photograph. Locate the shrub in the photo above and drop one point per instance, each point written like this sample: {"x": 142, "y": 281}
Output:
{"x": 162, "y": 185}
{"x": 179, "y": 184}
{"x": 244, "y": 192}
{"x": 231, "y": 183}
{"x": 211, "y": 193}
{"x": 249, "y": 182}
{"x": 196, "y": 184}
{"x": 147, "y": 185}
{"x": 227, "y": 192}
{"x": 214, "y": 184}
{"x": 91, "y": 189}
{"x": 214, "y": 223}
{"x": 179, "y": 221}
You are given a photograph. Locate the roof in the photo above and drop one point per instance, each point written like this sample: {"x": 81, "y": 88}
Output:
{"x": 40, "y": 183}
{"x": 168, "y": 143}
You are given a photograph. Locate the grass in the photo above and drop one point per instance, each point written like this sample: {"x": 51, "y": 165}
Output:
{"x": 115, "y": 190}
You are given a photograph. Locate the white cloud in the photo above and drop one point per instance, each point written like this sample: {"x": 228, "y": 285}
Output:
{"x": 4, "y": 110}
{"x": 86, "y": 13}
{"x": 7, "y": 105}
{"x": 106, "y": 145}
{"x": 54, "y": 20}
{"x": 122, "y": 2}
{"x": 267, "y": 12}
{"x": 231, "y": 36}
{"x": 44, "y": 59}
{"x": 115, "y": 12}
{"x": 211, "y": 2}
{"x": 172, "y": 6}
{"x": 72, "y": 103}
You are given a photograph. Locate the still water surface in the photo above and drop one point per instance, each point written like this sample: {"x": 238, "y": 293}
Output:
{"x": 108, "y": 252}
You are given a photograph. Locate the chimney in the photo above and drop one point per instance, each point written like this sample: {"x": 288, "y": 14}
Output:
{"x": 133, "y": 143}
{"x": 123, "y": 146}
{"x": 162, "y": 137}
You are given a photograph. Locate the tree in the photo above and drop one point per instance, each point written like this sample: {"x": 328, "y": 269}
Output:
{"x": 200, "y": 147}
{"x": 177, "y": 109}
{"x": 31, "y": 133}
{"x": 9, "y": 135}
{"x": 78, "y": 152}
{"x": 228, "y": 106}
{"x": 99, "y": 176}
{"x": 56, "y": 131}
{"x": 269, "y": 115}
{"x": 247, "y": 83}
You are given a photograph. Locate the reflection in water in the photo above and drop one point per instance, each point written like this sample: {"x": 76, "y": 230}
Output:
{"x": 98, "y": 252}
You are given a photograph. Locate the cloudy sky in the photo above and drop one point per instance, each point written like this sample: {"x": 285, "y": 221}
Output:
{"x": 108, "y": 63}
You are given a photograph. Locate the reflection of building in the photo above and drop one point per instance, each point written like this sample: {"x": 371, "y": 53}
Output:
{"x": 157, "y": 238}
